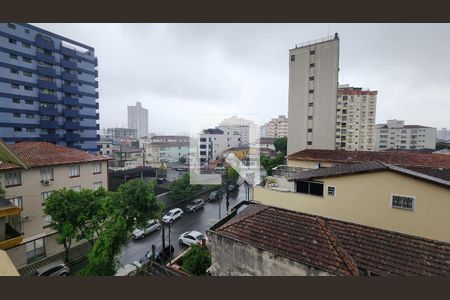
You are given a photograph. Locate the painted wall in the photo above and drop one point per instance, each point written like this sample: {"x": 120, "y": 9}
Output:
{"x": 366, "y": 199}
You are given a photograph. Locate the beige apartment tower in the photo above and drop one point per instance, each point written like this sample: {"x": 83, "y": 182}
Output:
{"x": 313, "y": 82}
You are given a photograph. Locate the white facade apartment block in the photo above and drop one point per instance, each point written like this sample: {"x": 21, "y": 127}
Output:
{"x": 396, "y": 135}
{"x": 138, "y": 119}
{"x": 443, "y": 134}
{"x": 313, "y": 82}
{"x": 355, "y": 119}
{"x": 277, "y": 127}
{"x": 213, "y": 142}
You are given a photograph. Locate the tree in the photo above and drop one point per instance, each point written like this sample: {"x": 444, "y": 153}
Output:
{"x": 197, "y": 260}
{"x": 182, "y": 189}
{"x": 131, "y": 206}
{"x": 441, "y": 145}
{"x": 233, "y": 175}
{"x": 182, "y": 160}
{"x": 271, "y": 162}
{"x": 281, "y": 145}
{"x": 63, "y": 213}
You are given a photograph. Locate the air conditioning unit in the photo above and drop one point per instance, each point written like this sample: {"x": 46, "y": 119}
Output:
{"x": 45, "y": 182}
{"x": 26, "y": 218}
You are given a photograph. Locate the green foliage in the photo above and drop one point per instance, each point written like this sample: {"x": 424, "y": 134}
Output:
{"x": 281, "y": 145}
{"x": 197, "y": 260}
{"x": 182, "y": 160}
{"x": 441, "y": 145}
{"x": 269, "y": 163}
{"x": 233, "y": 175}
{"x": 181, "y": 188}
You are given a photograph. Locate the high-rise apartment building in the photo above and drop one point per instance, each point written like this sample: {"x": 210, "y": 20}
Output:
{"x": 48, "y": 88}
{"x": 355, "y": 118}
{"x": 138, "y": 119}
{"x": 443, "y": 134}
{"x": 396, "y": 135}
{"x": 118, "y": 133}
{"x": 277, "y": 127}
{"x": 313, "y": 82}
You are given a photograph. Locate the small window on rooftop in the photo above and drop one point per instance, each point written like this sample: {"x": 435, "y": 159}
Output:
{"x": 11, "y": 25}
{"x": 292, "y": 57}
{"x": 403, "y": 202}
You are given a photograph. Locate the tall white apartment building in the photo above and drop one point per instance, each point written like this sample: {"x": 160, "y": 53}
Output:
{"x": 277, "y": 127}
{"x": 396, "y": 135}
{"x": 313, "y": 83}
{"x": 213, "y": 142}
{"x": 263, "y": 131}
{"x": 138, "y": 119}
{"x": 355, "y": 118}
{"x": 443, "y": 134}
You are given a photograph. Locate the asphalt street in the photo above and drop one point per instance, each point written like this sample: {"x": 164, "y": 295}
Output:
{"x": 200, "y": 220}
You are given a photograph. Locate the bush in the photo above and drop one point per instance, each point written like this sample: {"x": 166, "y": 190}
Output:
{"x": 197, "y": 260}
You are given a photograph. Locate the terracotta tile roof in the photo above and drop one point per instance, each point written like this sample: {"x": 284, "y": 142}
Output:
{"x": 36, "y": 154}
{"x": 338, "y": 247}
{"x": 434, "y": 172}
{"x": 401, "y": 158}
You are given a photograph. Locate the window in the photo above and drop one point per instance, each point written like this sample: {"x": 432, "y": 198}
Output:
{"x": 47, "y": 220}
{"x": 16, "y": 100}
{"x": 312, "y": 65}
{"x": 310, "y": 117}
{"x": 97, "y": 168}
{"x": 27, "y": 31}
{"x": 309, "y": 129}
{"x": 12, "y": 26}
{"x": 403, "y": 202}
{"x": 76, "y": 188}
{"x": 28, "y": 74}
{"x": 311, "y": 91}
{"x": 17, "y": 129}
{"x": 312, "y": 52}
{"x": 12, "y": 178}
{"x": 46, "y": 174}
{"x": 35, "y": 249}
{"x": 16, "y": 115}
{"x": 310, "y": 104}
{"x": 30, "y": 102}
{"x": 14, "y": 71}
{"x": 12, "y": 41}
{"x": 17, "y": 201}
{"x": 97, "y": 185}
{"x": 14, "y": 86}
{"x": 26, "y": 59}
{"x": 44, "y": 196}
{"x": 28, "y": 88}
{"x": 31, "y": 130}
{"x": 26, "y": 45}
{"x": 310, "y": 188}
{"x": 29, "y": 116}
{"x": 331, "y": 191}
{"x": 74, "y": 171}
{"x": 292, "y": 57}
{"x": 13, "y": 56}
{"x": 311, "y": 78}
{"x": 309, "y": 143}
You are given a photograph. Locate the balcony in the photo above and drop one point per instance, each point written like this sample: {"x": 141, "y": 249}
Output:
{"x": 96, "y": 95}
{"x": 46, "y": 71}
{"x": 48, "y": 98}
{"x": 70, "y": 89}
{"x": 97, "y": 126}
{"x": 96, "y": 73}
{"x": 96, "y": 84}
{"x": 96, "y": 105}
{"x": 50, "y": 59}
{"x": 68, "y": 51}
{"x": 69, "y": 76}
{"x": 97, "y": 116}
{"x": 44, "y": 43}
{"x": 48, "y": 111}
{"x": 49, "y": 124}
{"x": 71, "y": 113}
{"x": 51, "y": 137}
{"x": 44, "y": 84}
{"x": 72, "y": 125}
{"x": 71, "y": 101}
{"x": 72, "y": 137}
{"x": 96, "y": 62}
{"x": 68, "y": 64}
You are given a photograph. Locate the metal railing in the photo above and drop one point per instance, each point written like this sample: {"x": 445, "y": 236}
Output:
{"x": 327, "y": 38}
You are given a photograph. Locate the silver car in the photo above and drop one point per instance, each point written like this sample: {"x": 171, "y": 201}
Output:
{"x": 140, "y": 233}
{"x": 196, "y": 204}
{"x": 58, "y": 268}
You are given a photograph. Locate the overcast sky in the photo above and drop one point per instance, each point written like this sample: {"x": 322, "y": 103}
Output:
{"x": 176, "y": 70}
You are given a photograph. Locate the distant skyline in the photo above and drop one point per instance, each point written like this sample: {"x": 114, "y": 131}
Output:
{"x": 176, "y": 70}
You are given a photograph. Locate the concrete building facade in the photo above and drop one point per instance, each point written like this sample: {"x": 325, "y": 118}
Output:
{"x": 313, "y": 82}
{"x": 138, "y": 119}
{"x": 50, "y": 167}
{"x": 355, "y": 118}
{"x": 48, "y": 88}
{"x": 277, "y": 127}
{"x": 396, "y": 135}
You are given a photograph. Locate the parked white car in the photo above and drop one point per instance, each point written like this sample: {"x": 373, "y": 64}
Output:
{"x": 190, "y": 238}
{"x": 172, "y": 215}
{"x": 152, "y": 226}
{"x": 129, "y": 269}
{"x": 196, "y": 204}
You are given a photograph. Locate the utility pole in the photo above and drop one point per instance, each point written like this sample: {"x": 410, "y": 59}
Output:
{"x": 143, "y": 162}
{"x": 163, "y": 235}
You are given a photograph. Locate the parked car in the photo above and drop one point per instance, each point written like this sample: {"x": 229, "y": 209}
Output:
{"x": 232, "y": 187}
{"x": 191, "y": 237}
{"x": 161, "y": 255}
{"x": 195, "y": 204}
{"x": 172, "y": 215}
{"x": 129, "y": 269}
{"x": 161, "y": 180}
{"x": 152, "y": 226}
{"x": 215, "y": 195}
{"x": 58, "y": 268}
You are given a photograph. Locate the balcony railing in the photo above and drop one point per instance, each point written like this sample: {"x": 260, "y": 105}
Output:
{"x": 48, "y": 111}
{"x": 72, "y": 125}
{"x": 50, "y": 59}
{"x": 69, "y": 76}
{"x": 71, "y": 113}
{"x": 44, "y": 84}
{"x": 44, "y": 43}
{"x": 51, "y": 137}
{"x": 286, "y": 171}
{"x": 72, "y": 137}
{"x": 49, "y": 124}
{"x": 68, "y": 64}
{"x": 70, "y": 89}
{"x": 48, "y": 98}
{"x": 71, "y": 101}
{"x": 46, "y": 71}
